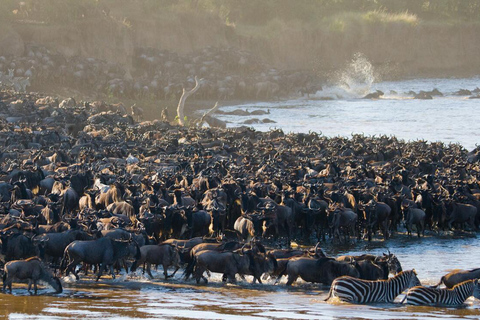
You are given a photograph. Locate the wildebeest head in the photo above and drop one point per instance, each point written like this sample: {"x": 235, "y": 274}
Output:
{"x": 394, "y": 265}
{"x": 56, "y": 284}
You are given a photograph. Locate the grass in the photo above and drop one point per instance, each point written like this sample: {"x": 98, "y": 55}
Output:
{"x": 379, "y": 16}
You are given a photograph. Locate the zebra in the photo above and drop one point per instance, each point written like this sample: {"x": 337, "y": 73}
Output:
{"x": 355, "y": 290}
{"x": 446, "y": 297}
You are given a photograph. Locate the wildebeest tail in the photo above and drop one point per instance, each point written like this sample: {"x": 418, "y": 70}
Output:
{"x": 438, "y": 284}
{"x": 65, "y": 261}
{"x": 190, "y": 266}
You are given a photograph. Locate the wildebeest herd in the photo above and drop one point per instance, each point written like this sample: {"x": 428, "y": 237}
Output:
{"x": 83, "y": 183}
{"x": 228, "y": 74}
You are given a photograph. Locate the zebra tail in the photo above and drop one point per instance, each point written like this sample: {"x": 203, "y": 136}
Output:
{"x": 329, "y": 294}
{"x": 404, "y": 298}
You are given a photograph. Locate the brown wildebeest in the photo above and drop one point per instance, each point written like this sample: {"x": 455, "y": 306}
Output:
{"x": 457, "y": 276}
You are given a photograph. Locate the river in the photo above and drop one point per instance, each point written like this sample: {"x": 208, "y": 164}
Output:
{"x": 449, "y": 118}
{"x": 134, "y": 296}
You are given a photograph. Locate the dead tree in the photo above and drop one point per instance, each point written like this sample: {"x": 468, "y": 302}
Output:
{"x": 199, "y": 122}
{"x": 183, "y": 98}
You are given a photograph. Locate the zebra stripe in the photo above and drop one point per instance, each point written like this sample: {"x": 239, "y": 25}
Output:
{"x": 363, "y": 291}
{"x": 448, "y": 297}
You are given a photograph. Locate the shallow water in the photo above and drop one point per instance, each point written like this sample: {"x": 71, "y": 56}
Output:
{"x": 450, "y": 119}
{"x": 134, "y": 296}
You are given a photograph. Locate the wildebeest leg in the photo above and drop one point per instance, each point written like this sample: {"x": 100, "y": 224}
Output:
{"x": 8, "y": 283}
{"x": 100, "y": 270}
{"x": 4, "y": 282}
{"x": 71, "y": 267}
{"x": 291, "y": 279}
{"x": 165, "y": 271}
{"x": 175, "y": 271}
{"x": 149, "y": 271}
{"x": 35, "y": 286}
{"x": 231, "y": 278}
{"x": 29, "y": 285}
{"x": 112, "y": 272}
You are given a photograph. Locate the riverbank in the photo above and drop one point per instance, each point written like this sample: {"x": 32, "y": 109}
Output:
{"x": 399, "y": 45}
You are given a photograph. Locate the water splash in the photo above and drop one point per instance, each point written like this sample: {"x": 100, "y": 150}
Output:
{"x": 358, "y": 77}
{"x": 354, "y": 81}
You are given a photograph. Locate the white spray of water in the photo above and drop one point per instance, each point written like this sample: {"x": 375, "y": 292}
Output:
{"x": 354, "y": 81}
{"x": 358, "y": 77}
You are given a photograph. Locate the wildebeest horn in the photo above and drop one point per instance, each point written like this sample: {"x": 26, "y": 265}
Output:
{"x": 316, "y": 248}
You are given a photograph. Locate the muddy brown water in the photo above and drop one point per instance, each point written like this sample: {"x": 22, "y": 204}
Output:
{"x": 134, "y": 296}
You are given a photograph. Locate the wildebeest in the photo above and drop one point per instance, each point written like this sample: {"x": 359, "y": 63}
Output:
{"x": 459, "y": 213}
{"x": 240, "y": 261}
{"x": 342, "y": 219}
{"x": 377, "y": 215}
{"x": 104, "y": 252}
{"x": 321, "y": 270}
{"x": 55, "y": 243}
{"x": 17, "y": 246}
{"x": 415, "y": 216}
{"x": 456, "y": 276}
{"x": 31, "y": 269}
{"x": 164, "y": 254}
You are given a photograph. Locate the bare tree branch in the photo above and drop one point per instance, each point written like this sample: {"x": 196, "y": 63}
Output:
{"x": 206, "y": 114}
{"x": 183, "y": 98}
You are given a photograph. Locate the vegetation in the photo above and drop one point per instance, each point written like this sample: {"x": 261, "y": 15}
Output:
{"x": 251, "y": 12}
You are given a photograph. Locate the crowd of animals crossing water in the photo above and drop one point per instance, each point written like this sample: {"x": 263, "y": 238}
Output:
{"x": 85, "y": 185}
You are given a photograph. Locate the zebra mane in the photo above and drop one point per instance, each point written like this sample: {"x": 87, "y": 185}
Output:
{"x": 463, "y": 283}
{"x": 402, "y": 273}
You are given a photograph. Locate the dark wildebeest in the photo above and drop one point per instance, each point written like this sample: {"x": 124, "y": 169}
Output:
{"x": 414, "y": 216}
{"x": 216, "y": 246}
{"x": 459, "y": 213}
{"x": 165, "y": 254}
{"x": 104, "y": 251}
{"x": 344, "y": 219}
{"x": 18, "y": 246}
{"x": 388, "y": 262}
{"x": 241, "y": 261}
{"x": 55, "y": 243}
{"x": 32, "y": 270}
{"x": 377, "y": 215}
{"x": 322, "y": 270}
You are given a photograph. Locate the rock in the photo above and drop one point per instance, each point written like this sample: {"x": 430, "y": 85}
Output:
{"x": 463, "y": 92}
{"x": 374, "y": 95}
{"x": 252, "y": 121}
{"x": 423, "y": 95}
{"x": 266, "y": 120}
{"x": 259, "y": 112}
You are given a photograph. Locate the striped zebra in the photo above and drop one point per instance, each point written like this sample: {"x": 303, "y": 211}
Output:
{"x": 355, "y": 290}
{"x": 445, "y": 297}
